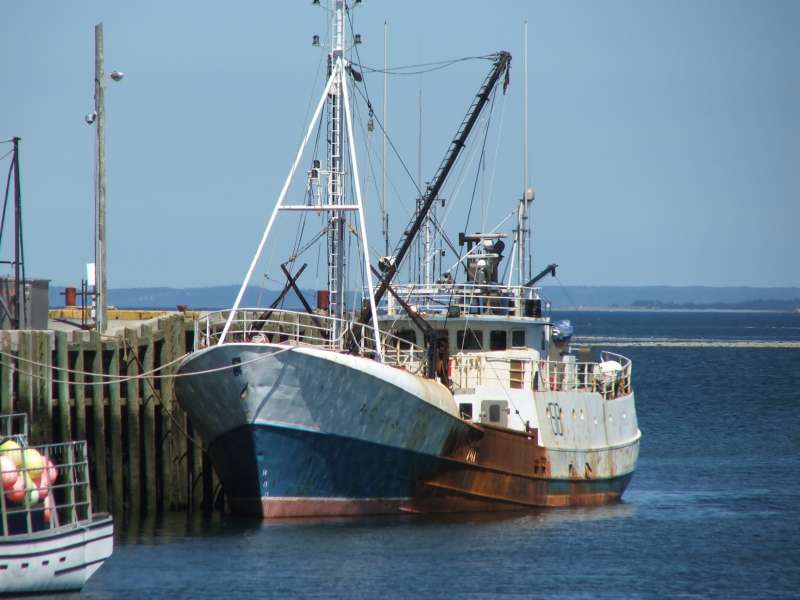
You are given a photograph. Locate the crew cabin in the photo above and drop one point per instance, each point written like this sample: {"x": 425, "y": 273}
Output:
{"x": 496, "y": 335}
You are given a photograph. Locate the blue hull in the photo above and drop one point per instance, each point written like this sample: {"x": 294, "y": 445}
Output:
{"x": 278, "y": 471}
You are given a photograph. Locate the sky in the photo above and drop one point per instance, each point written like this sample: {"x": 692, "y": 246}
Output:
{"x": 664, "y": 137}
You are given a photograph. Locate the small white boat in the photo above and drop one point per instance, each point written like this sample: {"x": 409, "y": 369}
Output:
{"x": 50, "y": 541}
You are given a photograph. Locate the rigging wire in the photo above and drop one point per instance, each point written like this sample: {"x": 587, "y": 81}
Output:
{"x": 495, "y": 161}
{"x": 433, "y": 66}
{"x": 564, "y": 288}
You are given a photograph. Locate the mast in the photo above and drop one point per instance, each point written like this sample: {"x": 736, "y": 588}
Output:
{"x": 335, "y": 190}
{"x": 335, "y": 95}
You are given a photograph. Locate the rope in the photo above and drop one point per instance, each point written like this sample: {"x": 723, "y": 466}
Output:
{"x": 111, "y": 378}
{"x": 148, "y": 375}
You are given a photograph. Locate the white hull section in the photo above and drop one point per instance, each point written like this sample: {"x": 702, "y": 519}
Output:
{"x": 54, "y": 560}
{"x": 585, "y": 435}
{"x": 314, "y": 390}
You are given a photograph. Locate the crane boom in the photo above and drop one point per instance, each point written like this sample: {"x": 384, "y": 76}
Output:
{"x": 500, "y": 66}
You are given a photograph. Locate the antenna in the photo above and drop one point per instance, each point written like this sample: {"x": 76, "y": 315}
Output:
{"x": 523, "y": 231}
{"x": 384, "y": 213}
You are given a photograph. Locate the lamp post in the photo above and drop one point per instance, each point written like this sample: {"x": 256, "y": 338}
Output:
{"x": 99, "y": 117}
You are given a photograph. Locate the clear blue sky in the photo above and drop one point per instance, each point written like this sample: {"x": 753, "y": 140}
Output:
{"x": 664, "y": 136}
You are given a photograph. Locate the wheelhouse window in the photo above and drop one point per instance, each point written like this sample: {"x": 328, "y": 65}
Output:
{"x": 408, "y": 338}
{"x": 470, "y": 339}
{"x": 518, "y": 338}
{"x": 494, "y": 413}
{"x": 497, "y": 340}
{"x": 466, "y": 410}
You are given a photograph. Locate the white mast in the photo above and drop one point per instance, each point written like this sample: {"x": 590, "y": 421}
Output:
{"x": 335, "y": 190}
{"x": 336, "y": 94}
{"x": 527, "y": 193}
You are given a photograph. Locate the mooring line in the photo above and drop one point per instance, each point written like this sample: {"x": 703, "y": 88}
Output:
{"x": 147, "y": 375}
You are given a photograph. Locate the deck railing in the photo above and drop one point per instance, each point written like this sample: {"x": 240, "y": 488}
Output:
{"x": 467, "y": 299}
{"x": 601, "y": 377}
{"x": 278, "y": 326}
{"x": 53, "y": 489}
{"x": 520, "y": 372}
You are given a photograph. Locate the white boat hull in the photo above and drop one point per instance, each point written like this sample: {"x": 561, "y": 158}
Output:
{"x": 55, "y": 560}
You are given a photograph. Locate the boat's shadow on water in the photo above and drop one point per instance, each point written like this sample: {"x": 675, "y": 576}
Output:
{"x": 544, "y": 517}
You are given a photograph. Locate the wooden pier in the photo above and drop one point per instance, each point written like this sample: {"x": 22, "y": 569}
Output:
{"x": 117, "y": 393}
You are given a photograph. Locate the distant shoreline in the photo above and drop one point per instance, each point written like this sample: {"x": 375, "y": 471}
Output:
{"x": 671, "y": 310}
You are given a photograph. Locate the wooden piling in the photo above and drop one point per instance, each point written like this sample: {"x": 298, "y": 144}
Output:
{"x": 42, "y": 387}
{"x": 115, "y": 429}
{"x": 149, "y": 421}
{"x": 181, "y": 465}
{"x": 169, "y": 450}
{"x": 132, "y": 400}
{"x": 79, "y": 391}
{"x": 98, "y": 424}
{"x": 62, "y": 385}
{"x": 6, "y": 377}
{"x": 24, "y": 379}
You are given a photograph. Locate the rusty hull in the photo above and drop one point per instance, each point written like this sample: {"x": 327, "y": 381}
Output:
{"x": 501, "y": 469}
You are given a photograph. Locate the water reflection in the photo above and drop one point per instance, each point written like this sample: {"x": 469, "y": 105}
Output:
{"x": 161, "y": 529}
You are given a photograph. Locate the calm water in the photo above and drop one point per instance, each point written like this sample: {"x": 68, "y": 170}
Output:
{"x": 711, "y": 512}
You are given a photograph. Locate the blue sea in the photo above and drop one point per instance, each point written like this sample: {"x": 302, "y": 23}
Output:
{"x": 712, "y": 512}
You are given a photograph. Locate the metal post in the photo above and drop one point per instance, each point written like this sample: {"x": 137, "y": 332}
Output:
{"x": 100, "y": 184}
{"x": 19, "y": 282}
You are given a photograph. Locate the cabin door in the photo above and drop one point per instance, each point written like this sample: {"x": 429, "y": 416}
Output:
{"x": 494, "y": 412}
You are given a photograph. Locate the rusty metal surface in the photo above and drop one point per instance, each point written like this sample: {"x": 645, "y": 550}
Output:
{"x": 500, "y": 469}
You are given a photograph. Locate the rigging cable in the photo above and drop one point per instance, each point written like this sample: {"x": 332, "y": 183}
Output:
{"x": 365, "y": 97}
{"x": 434, "y": 66}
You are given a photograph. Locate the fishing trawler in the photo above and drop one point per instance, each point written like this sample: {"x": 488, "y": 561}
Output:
{"x": 50, "y": 540}
{"x": 427, "y": 396}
